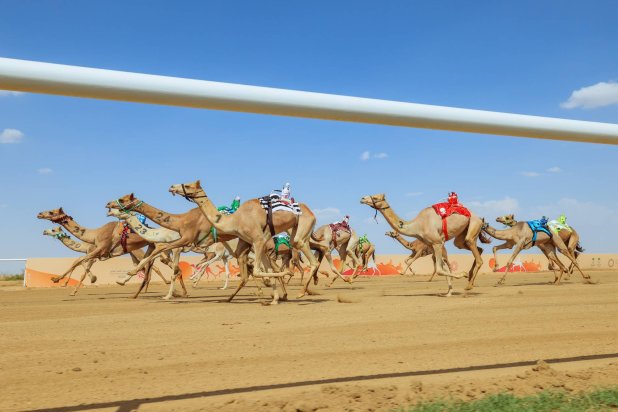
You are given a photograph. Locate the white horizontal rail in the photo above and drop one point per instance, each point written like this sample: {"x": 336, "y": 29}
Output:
{"x": 37, "y": 77}
{"x": 13, "y": 260}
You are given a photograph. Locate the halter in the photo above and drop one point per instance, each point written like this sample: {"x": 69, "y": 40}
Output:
{"x": 188, "y": 197}
{"x": 125, "y": 210}
{"x": 61, "y": 220}
{"x": 60, "y": 235}
{"x": 373, "y": 205}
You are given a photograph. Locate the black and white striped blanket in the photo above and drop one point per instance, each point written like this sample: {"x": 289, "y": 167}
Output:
{"x": 278, "y": 205}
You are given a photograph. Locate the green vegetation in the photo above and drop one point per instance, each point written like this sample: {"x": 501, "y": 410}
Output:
{"x": 599, "y": 400}
{"x": 12, "y": 277}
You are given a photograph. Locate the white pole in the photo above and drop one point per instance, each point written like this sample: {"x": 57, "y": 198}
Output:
{"x": 37, "y": 77}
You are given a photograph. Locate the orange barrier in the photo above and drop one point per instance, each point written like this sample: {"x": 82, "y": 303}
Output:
{"x": 39, "y": 271}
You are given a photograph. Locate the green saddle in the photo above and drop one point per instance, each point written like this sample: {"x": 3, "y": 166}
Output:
{"x": 281, "y": 240}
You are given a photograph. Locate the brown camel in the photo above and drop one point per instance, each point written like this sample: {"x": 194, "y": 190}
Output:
{"x": 419, "y": 250}
{"x": 519, "y": 236}
{"x": 324, "y": 241}
{"x": 569, "y": 237}
{"x": 106, "y": 241}
{"x": 74, "y": 245}
{"x": 365, "y": 252}
{"x": 250, "y": 224}
{"x": 192, "y": 226}
{"x": 427, "y": 227}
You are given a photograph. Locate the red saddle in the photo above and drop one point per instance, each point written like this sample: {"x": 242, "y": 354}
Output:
{"x": 446, "y": 209}
{"x": 336, "y": 227}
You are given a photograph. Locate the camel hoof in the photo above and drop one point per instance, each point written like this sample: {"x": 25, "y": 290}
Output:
{"x": 284, "y": 298}
{"x": 93, "y": 279}
{"x": 73, "y": 293}
{"x": 166, "y": 297}
{"x": 121, "y": 282}
{"x": 300, "y": 296}
{"x": 55, "y": 279}
{"x": 498, "y": 284}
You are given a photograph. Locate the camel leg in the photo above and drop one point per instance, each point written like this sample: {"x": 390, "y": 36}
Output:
{"x": 505, "y": 245}
{"x": 518, "y": 248}
{"x": 409, "y": 260}
{"x": 313, "y": 267}
{"x": 329, "y": 259}
{"x": 203, "y": 266}
{"x": 550, "y": 253}
{"x": 227, "y": 272}
{"x": 79, "y": 261}
{"x": 170, "y": 293}
{"x": 564, "y": 250}
{"x": 242, "y": 254}
{"x": 145, "y": 282}
{"x": 435, "y": 267}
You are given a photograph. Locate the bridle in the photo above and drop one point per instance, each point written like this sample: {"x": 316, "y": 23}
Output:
{"x": 190, "y": 198}
{"x": 375, "y": 206}
{"x": 61, "y": 220}
{"x": 124, "y": 209}
{"x": 60, "y": 235}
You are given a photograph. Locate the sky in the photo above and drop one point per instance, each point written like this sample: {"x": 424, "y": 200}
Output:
{"x": 551, "y": 58}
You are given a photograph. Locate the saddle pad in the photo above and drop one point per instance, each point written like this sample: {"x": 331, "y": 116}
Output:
{"x": 556, "y": 226}
{"x": 278, "y": 205}
{"x": 445, "y": 209}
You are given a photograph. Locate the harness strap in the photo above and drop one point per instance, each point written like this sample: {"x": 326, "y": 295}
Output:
{"x": 269, "y": 218}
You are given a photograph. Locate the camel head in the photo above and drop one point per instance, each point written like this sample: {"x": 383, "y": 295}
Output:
{"x": 54, "y": 215}
{"x": 392, "y": 234}
{"x": 375, "y": 201}
{"x": 55, "y": 232}
{"x": 187, "y": 190}
{"x": 125, "y": 203}
{"x": 507, "y": 220}
{"x": 119, "y": 214}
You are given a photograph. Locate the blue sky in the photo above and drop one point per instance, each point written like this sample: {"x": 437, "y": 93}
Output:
{"x": 524, "y": 57}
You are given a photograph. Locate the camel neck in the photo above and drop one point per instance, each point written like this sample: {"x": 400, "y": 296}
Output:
{"x": 167, "y": 220}
{"x": 74, "y": 245}
{"x": 404, "y": 242}
{"x": 82, "y": 233}
{"x": 409, "y": 228}
{"x": 220, "y": 221}
{"x": 506, "y": 234}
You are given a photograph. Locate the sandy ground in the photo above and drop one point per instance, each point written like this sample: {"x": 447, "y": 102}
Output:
{"x": 374, "y": 345}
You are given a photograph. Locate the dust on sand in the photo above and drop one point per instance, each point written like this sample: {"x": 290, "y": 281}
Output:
{"x": 100, "y": 350}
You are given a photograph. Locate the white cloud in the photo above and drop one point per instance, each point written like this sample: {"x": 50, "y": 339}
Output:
{"x": 530, "y": 174}
{"x": 598, "y": 95}
{"x": 327, "y": 213}
{"x": 490, "y": 208}
{"x": 366, "y": 155}
{"x": 413, "y": 194}
{"x": 10, "y": 93}
{"x": 11, "y": 136}
{"x": 554, "y": 169}
{"x": 44, "y": 170}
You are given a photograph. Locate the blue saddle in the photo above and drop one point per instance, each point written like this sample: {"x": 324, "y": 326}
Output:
{"x": 538, "y": 226}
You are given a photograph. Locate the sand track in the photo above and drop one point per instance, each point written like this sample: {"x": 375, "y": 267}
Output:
{"x": 102, "y": 351}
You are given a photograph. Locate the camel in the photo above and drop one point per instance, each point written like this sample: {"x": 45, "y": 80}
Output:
{"x": 362, "y": 250}
{"x": 419, "y": 250}
{"x": 251, "y": 225}
{"x": 160, "y": 235}
{"x": 324, "y": 241}
{"x": 427, "y": 227}
{"x": 74, "y": 245}
{"x": 570, "y": 238}
{"x": 289, "y": 256}
{"x": 519, "y": 236}
{"x": 219, "y": 251}
{"x": 192, "y": 226}
{"x": 106, "y": 241}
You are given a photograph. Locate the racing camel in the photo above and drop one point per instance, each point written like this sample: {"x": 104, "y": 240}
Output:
{"x": 250, "y": 223}
{"x": 109, "y": 240}
{"x": 419, "y": 250}
{"x": 520, "y": 236}
{"x": 428, "y": 226}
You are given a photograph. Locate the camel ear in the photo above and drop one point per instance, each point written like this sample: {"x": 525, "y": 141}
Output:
{"x": 60, "y": 210}
{"x": 198, "y": 184}
{"x": 131, "y": 196}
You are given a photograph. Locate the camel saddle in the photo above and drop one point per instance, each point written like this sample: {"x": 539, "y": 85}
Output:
{"x": 339, "y": 227}
{"x": 281, "y": 240}
{"x": 273, "y": 203}
{"x": 446, "y": 209}
{"x": 538, "y": 226}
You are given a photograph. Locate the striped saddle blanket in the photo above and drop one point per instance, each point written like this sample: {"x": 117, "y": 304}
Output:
{"x": 277, "y": 204}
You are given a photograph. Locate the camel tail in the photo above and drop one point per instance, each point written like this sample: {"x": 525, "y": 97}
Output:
{"x": 483, "y": 238}
{"x": 579, "y": 248}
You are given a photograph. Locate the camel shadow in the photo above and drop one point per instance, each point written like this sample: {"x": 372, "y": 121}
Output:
{"x": 433, "y": 294}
